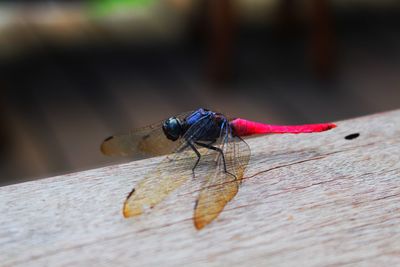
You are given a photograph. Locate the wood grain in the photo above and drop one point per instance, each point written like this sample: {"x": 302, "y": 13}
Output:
{"x": 306, "y": 200}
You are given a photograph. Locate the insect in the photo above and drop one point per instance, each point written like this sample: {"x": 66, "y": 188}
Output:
{"x": 186, "y": 139}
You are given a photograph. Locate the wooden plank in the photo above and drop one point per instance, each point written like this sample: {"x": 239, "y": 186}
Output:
{"x": 308, "y": 200}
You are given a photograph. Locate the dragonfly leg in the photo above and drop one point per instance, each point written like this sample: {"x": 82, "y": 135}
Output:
{"x": 198, "y": 156}
{"x": 219, "y": 150}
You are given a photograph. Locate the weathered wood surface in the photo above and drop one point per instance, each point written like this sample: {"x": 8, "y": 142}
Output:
{"x": 308, "y": 200}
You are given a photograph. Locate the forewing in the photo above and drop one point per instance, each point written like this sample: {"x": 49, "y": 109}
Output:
{"x": 171, "y": 173}
{"x": 141, "y": 143}
{"x": 222, "y": 186}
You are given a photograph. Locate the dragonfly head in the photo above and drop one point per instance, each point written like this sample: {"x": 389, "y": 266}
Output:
{"x": 172, "y": 128}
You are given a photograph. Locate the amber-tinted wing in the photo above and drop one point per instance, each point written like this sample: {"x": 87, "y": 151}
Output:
{"x": 172, "y": 172}
{"x": 222, "y": 186}
{"x": 141, "y": 143}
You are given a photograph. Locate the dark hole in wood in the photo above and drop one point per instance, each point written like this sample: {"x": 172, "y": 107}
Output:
{"x": 352, "y": 136}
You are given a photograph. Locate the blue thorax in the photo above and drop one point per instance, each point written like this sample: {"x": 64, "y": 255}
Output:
{"x": 198, "y": 115}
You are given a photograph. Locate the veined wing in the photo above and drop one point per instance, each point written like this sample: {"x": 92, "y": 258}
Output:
{"x": 171, "y": 173}
{"x": 222, "y": 186}
{"x": 144, "y": 142}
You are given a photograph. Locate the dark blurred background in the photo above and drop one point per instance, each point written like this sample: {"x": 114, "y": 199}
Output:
{"x": 75, "y": 72}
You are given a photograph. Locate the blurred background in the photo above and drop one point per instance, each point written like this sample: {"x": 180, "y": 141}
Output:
{"x": 75, "y": 72}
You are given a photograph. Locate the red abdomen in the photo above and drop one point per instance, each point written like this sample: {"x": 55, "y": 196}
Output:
{"x": 245, "y": 128}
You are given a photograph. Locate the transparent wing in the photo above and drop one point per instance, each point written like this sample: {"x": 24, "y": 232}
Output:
{"x": 222, "y": 186}
{"x": 171, "y": 173}
{"x": 144, "y": 142}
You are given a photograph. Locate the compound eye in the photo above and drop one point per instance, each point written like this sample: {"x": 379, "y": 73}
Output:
{"x": 172, "y": 128}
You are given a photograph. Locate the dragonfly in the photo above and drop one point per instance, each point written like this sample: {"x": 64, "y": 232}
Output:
{"x": 184, "y": 140}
